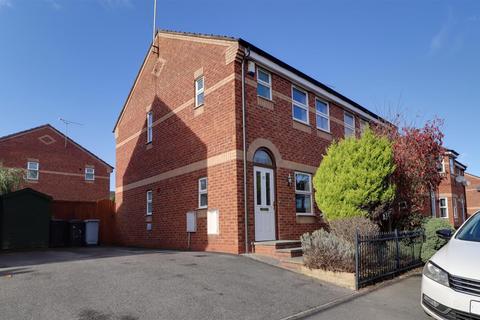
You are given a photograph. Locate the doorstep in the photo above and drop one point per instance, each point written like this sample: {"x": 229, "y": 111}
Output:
{"x": 278, "y": 249}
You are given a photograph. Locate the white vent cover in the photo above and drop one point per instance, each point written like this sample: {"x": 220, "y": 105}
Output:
{"x": 191, "y": 221}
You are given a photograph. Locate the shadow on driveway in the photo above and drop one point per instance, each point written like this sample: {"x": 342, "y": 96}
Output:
{"x": 54, "y": 255}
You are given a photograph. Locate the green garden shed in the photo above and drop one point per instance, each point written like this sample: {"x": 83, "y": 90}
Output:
{"x": 24, "y": 220}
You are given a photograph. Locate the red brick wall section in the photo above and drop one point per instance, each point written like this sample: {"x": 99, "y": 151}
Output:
{"x": 296, "y": 142}
{"x": 473, "y": 193}
{"x": 62, "y": 169}
{"x": 184, "y": 136}
{"x": 453, "y": 191}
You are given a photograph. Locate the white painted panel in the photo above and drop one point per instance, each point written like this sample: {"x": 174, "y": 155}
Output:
{"x": 213, "y": 222}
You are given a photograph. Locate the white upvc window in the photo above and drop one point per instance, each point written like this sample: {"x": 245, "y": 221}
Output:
{"x": 349, "y": 123}
{"x": 264, "y": 85}
{"x": 32, "y": 170}
{"x": 442, "y": 168}
{"x": 149, "y": 202}
{"x": 149, "y": 126}
{"x": 433, "y": 204}
{"x": 300, "y": 105}
{"x": 443, "y": 207}
{"x": 303, "y": 193}
{"x": 322, "y": 109}
{"x": 452, "y": 166}
{"x": 202, "y": 193}
{"x": 363, "y": 125}
{"x": 89, "y": 174}
{"x": 199, "y": 91}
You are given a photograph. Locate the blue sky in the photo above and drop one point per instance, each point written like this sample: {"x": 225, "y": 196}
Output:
{"x": 77, "y": 59}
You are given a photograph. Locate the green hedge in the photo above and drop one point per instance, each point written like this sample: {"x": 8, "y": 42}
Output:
{"x": 433, "y": 242}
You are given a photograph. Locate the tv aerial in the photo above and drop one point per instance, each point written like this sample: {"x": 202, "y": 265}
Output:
{"x": 67, "y": 123}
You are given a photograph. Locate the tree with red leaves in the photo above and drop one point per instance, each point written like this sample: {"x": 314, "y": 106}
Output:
{"x": 417, "y": 153}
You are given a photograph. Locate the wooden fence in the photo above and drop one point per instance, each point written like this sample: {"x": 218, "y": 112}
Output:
{"x": 104, "y": 210}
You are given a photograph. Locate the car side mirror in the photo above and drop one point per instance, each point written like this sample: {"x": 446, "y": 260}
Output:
{"x": 445, "y": 234}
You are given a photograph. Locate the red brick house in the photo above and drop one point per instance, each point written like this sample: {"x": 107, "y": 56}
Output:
{"x": 56, "y": 165}
{"x": 449, "y": 201}
{"x": 217, "y": 135}
{"x": 473, "y": 193}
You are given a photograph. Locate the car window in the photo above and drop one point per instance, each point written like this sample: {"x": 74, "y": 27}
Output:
{"x": 470, "y": 230}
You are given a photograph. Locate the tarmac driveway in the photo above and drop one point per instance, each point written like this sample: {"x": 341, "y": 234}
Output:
{"x": 127, "y": 284}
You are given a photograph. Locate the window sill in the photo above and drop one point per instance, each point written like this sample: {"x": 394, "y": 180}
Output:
{"x": 302, "y": 122}
{"x": 301, "y": 126}
{"x": 202, "y": 208}
{"x": 263, "y": 98}
{"x": 305, "y": 214}
{"x": 324, "y": 131}
{"x": 199, "y": 106}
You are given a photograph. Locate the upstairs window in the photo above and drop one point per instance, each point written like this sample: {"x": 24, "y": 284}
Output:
{"x": 202, "y": 193}
{"x": 89, "y": 174}
{"x": 323, "y": 115}
{"x": 149, "y": 126}
{"x": 452, "y": 166}
{"x": 303, "y": 193}
{"x": 349, "y": 122}
{"x": 199, "y": 91}
{"x": 443, "y": 207}
{"x": 149, "y": 202}
{"x": 32, "y": 170}
{"x": 441, "y": 168}
{"x": 264, "y": 85}
{"x": 300, "y": 105}
{"x": 363, "y": 125}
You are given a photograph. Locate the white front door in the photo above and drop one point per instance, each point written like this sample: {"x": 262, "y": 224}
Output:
{"x": 264, "y": 200}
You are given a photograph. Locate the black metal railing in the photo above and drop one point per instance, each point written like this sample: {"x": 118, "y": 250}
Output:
{"x": 384, "y": 255}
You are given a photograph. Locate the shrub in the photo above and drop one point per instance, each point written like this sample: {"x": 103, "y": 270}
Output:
{"x": 10, "y": 179}
{"x": 346, "y": 228}
{"x": 354, "y": 177}
{"x": 324, "y": 250}
{"x": 432, "y": 242}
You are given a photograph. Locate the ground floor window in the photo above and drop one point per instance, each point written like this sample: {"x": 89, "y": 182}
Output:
{"x": 443, "y": 208}
{"x": 303, "y": 193}
{"x": 149, "y": 202}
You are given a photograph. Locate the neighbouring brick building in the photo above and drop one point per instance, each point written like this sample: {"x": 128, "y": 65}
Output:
{"x": 56, "y": 166}
{"x": 473, "y": 193}
{"x": 181, "y": 152}
{"x": 449, "y": 201}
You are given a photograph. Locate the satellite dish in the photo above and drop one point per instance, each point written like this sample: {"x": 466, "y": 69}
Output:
{"x": 460, "y": 179}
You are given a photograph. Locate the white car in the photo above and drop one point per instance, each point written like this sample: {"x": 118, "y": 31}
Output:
{"x": 451, "y": 279}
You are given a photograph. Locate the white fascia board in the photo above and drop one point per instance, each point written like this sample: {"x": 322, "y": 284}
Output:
{"x": 307, "y": 84}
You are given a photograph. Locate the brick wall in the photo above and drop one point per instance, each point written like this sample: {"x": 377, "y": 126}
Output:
{"x": 454, "y": 192}
{"x": 62, "y": 169}
{"x": 473, "y": 193}
{"x": 184, "y": 137}
{"x": 294, "y": 145}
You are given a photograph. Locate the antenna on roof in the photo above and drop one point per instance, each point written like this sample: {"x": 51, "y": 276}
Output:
{"x": 67, "y": 123}
{"x": 154, "y": 19}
